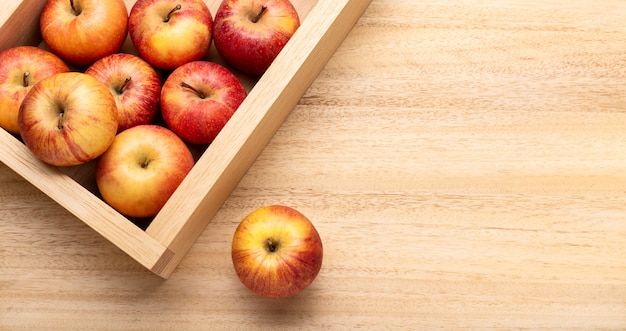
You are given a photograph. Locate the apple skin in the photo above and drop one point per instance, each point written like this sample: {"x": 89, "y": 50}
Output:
{"x": 248, "y": 46}
{"x": 22, "y": 67}
{"x": 286, "y": 266}
{"x": 142, "y": 169}
{"x": 137, "y": 99}
{"x": 195, "y": 119}
{"x": 185, "y": 37}
{"x": 99, "y": 29}
{"x": 68, "y": 119}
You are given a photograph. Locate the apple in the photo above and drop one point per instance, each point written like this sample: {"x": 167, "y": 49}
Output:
{"x": 20, "y": 68}
{"x": 169, "y": 33}
{"x": 276, "y": 251}
{"x": 198, "y": 98}
{"x": 135, "y": 85}
{"x": 250, "y": 34}
{"x": 142, "y": 169}
{"x": 83, "y": 31}
{"x": 67, "y": 119}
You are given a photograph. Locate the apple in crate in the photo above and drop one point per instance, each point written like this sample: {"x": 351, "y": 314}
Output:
{"x": 142, "y": 169}
{"x": 249, "y": 34}
{"x": 83, "y": 31}
{"x": 169, "y": 33}
{"x": 198, "y": 98}
{"x": 68, "y": 119}
{"x": 276, "y": 251}
{"x": 20, "y": 68}
{"x": 135, "y": 85}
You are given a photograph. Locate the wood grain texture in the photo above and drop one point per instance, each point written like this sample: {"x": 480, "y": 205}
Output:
{"x": 463, "y": 161}
{"x": 24, "y": 31}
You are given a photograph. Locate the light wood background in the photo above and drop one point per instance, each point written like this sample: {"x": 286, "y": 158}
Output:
{"x": 464, "y": 162}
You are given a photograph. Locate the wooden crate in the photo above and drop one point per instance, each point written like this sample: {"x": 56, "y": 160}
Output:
{"x": 170, "y": 234}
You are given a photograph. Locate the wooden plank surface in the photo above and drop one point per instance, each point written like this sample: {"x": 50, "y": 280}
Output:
{"x": 463, "y": 161}
{"x": 28, "y": 26}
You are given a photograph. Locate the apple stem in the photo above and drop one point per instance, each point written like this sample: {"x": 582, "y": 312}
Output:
{"x": 198, "y": 93}
{"x": 60, "y": 122}
{"x": 124, "y": 86}
{"x": 74, "y": 9}
{"x": 258, "y": 16}
{"x": 25, "y": 82}
{"x": 145, "y": 163}
{"x": 271, "y": 246}
{"x": 169, "y": 15}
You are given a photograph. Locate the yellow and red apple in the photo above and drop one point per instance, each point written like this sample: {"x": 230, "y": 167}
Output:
{"x": 135, "y": 85}
{"x": 68, "y": 119}
{"x": 83, "y": 31}
{"x": 20, "y": 68}
{"x": 250, "y": 34}
{"x": 276, "y": 251}
{"x": 169, "y": 33}
{"x": 198, "y": 98}
{"x": 142, "y": 169}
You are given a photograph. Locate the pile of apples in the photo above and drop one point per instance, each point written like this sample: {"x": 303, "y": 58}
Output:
{"x": 80, "y": 99}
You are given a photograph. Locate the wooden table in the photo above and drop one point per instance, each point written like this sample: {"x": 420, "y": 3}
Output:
{"x": 464, "y": 162}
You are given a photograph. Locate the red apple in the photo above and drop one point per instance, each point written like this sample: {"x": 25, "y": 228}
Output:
{"x": 134, "y": 84}
{"x": 83, "y": 31}
{"x": 142, "y": 169}
{"x": 20, "y": 68}
{"x": 169, "y": 33}
{"x": 276, "y": 251}
{"x": 68, "y": 119}
{"x": 249, "y": 34}
{"x": 198, "y": 98}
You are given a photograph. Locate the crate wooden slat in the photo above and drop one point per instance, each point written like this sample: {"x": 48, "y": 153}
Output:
{"x": 20, "y": 22}
{"x": 164, "y": 243}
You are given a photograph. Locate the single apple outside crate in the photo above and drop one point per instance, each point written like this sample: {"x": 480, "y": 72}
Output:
{"x": 172, "y": 232}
